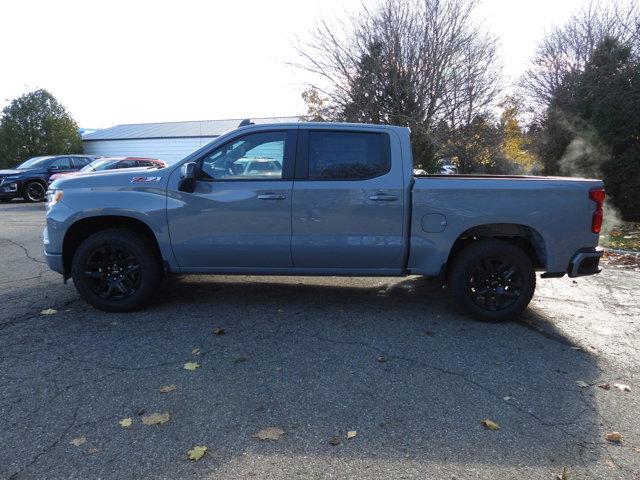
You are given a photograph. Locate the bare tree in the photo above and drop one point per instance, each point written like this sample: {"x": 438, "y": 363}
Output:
{"x": 566, "y": 49}
{"x": 429, "y": 50}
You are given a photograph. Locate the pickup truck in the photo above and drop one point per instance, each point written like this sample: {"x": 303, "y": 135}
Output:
{"x": 336, "y": 199}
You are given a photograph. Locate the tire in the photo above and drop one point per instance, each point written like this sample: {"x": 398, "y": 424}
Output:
{"x": 492, "y": 280}
{"x": 34, "y": 192}
{"x": 116, "y": 270}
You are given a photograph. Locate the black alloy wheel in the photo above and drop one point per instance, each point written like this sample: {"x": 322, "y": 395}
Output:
{"x": 112, "y": 272}
{"x": 34, "y": 192}
{"x": 495, "y": 284}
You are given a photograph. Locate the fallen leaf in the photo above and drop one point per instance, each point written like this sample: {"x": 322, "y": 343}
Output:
{"x": 576, "y": 348}
{"x": 507, "y": 398}
{"x": 622, "y": 386}
{"x": 564, "y": 475}
{"x": 191, "y": 366}
{"x": 381, "y": 359}
{"x": 195, "y": 351}
{"x": 167, "y": 388}
{"x": 352, "y": 433}
{"x": 197, "y": 452}
{"x": 126, "y": 422}
{"x": 269, "y": 433}
{"x": 604, "y": 386}
{"x": 49, "y": 311}
{"x": 610, "y": 464}
{"x": 582, "y": 384}
{"x": 615, "y": 437}
{"x": 218, "y": 331}
{"x": 156, "y": 418}
{"x": 490, "y": 424}
{"x": 78, "y": 441}
{"x": 636, "y": 449}
{"x": 334, "y": 441}
{"x": 93, "y": 450}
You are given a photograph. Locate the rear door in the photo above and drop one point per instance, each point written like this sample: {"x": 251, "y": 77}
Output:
{"x": 348, "y": 202}
{"x": 239, "y": 215}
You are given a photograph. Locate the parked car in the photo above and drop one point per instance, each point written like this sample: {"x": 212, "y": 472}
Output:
{"x": 345, "y": 202}
{"x": 112, "y": 163}
{"x": 29, "y": 179}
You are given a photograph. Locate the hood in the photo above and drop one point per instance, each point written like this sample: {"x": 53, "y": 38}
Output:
{"x": 112, "y": 178}
{"x": 11, "y": 172}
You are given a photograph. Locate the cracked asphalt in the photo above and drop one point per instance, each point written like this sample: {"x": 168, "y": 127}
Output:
{"x": 390, "y": 358}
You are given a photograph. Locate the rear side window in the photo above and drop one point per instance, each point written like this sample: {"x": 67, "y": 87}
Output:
{"x": 347, "y": 155}
{"x": 63, "y": 163}
{"x": 80, "y": 162}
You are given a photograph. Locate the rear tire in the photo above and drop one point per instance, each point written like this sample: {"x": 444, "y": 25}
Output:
{"x": 34, "y": 192}
{"x": 492, "y": 280}
{"x": 116, "y": 270}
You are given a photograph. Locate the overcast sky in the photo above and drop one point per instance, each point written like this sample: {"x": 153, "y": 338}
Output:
{"x": 113, "y": 61}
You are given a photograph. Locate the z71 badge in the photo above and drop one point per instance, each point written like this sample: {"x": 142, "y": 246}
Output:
{"x": 145, "y": 179}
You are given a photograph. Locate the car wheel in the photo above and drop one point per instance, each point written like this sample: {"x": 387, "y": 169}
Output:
{"x": 492, "y": 280}
{"x": 116, "y": 270}
{"x": 34, "y": 192}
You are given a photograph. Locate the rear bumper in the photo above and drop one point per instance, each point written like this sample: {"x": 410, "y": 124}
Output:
{"x": 585, "y": 262}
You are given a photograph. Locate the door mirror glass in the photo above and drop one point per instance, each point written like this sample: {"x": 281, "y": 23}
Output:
{"x": 188, "y": 175}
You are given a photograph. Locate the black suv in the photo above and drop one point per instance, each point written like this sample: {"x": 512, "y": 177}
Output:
{"x": 29, "y": 179}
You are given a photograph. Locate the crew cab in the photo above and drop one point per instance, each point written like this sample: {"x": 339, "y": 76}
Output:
{"x": 343, "y": 200}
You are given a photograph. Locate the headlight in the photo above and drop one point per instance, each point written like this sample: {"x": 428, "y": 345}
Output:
{"x": 53, "y": 197}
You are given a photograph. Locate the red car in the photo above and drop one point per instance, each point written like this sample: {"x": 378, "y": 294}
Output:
{"x": 112, "y": 163}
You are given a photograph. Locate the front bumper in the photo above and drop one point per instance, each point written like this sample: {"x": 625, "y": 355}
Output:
{"x": 585, "y": 262}
{"x": 54, "y": 260}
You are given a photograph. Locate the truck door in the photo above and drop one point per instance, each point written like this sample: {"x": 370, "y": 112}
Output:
{"x": 348, "y": 200}
{"x": 239, "y": 215}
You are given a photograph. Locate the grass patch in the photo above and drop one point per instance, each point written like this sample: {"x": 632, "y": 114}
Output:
{"x": 623, "y": 236}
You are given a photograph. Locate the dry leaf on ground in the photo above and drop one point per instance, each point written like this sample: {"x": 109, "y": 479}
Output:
{"x": 382, "y": 359}
{"x": 507, "y": 398}
{"x": 218, "y": 331}
{"x": 78, "y": 441}
{"x": 167, "y": 388}
{"x": 604, "y": 386}
{"x": 352, "y": 433}
{"x": 191, "y": 366}
{"x": 156, "y": 418}
{"x": 195, "y": 351}
{"x": 126, "y": 422}
{"x": 615, "y": 437}
{"x": 197, "y": 452}
{"x": 622, "y": 386}
{"x": 582, "y": 384}
{"x": 564, "y": 475}
{"x": 49, "y": 311}
{"x": 93, "y": 450}
{"x": 490, "y": 424}
{"x": 269, "y": 433}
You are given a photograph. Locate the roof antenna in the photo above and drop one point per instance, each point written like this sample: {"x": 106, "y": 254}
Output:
{"x": 245, "y": 122}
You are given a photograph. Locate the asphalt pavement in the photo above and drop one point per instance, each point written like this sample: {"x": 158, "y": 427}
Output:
{"x": 297, "y": 363}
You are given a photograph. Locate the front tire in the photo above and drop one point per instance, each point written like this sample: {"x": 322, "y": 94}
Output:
{"x": 116, "y": 270}
{"x": 492, "y": 280}
{"x": 34, "y": 192}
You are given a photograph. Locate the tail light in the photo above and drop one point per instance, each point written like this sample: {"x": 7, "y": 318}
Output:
{"x": 597, "y": 195}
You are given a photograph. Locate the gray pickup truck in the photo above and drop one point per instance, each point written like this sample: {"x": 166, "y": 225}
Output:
{"x": 320, "y": 199}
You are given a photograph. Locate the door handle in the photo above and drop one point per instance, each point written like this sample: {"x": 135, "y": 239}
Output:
{"x": 383, "y": 197}
{"x": 272, "y": 196}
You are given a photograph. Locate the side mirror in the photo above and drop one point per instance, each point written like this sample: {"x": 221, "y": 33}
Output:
{"x": 53, "y": 168}
{"x": 188, "y": 176}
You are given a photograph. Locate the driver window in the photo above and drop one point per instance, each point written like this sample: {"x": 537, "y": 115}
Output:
{"x": 252, "y": 157}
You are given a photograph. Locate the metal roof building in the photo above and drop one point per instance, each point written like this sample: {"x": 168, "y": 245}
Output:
{"x": 168, "y": 141}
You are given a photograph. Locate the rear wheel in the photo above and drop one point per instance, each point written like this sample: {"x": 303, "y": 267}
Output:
{"x": 493, "y": 280}
{"x": 116, "y": 270}
{"x": 34, "y": 192}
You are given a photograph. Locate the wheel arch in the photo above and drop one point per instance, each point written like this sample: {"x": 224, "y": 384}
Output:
{"x": 83, "y": 228}
{"x": 524, "y": 237}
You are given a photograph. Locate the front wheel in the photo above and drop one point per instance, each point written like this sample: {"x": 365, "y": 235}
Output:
{"x": 493, "y": 280}
{"x": 116, "y": 270}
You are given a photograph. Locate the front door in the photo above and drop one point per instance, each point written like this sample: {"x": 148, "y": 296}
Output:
{"x": 239, "y": 215}
{"x": 348, "y": 201}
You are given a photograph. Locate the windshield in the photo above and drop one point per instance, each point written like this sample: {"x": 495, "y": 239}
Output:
{"x": 33, "y": 163}
{"x": 99, "y": 165}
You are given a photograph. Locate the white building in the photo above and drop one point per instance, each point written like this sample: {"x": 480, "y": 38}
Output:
{"x": 170, "y": 141}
